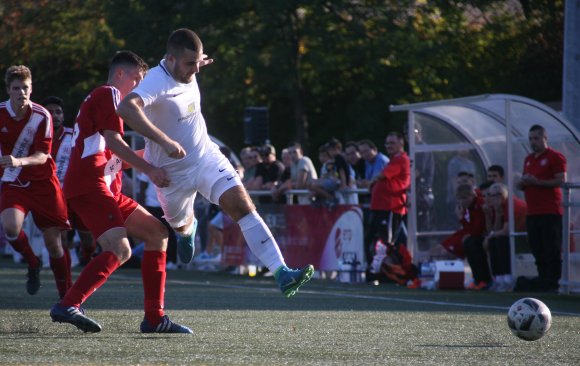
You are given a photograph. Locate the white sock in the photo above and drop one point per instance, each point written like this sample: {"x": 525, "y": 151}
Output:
{"x": 190, "y": 230}
{"x": 261, "y": 241}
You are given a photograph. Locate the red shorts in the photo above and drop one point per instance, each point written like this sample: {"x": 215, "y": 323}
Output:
{"x": 100, "y": 212}
{"x": 43, "y": 198}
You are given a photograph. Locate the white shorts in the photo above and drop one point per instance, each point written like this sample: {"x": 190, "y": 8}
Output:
{"x": 211, "y": 176}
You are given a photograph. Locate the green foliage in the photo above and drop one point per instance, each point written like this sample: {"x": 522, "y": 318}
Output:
{"x": 324, "y": 68}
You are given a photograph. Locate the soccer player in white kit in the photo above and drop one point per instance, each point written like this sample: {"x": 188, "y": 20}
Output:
{"x": 165, "y": 108}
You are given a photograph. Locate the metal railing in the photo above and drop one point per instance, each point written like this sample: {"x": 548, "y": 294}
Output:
{"x": 565, "y": 281}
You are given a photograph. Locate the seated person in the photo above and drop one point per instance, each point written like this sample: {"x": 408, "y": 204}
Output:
{"x": 497, "y": 240}
{"x": 468, "y": 240}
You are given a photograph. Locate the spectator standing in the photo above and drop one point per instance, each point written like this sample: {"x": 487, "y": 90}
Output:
{"x": 460, "y": 162}
{"x": 353, "y": 158}
{"x": 29, "y": 182}
{"x": 543, "y": 174}
{"x": 374, "y": 162}
{"x": 302, "y": 171}
{"x": 268, "y": 171}
{"x": 389, "y": 195}
{"x": 334, "y": 148}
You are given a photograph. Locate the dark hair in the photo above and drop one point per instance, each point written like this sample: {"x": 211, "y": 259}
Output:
{"x": 538, "y": 128}
{"x": 463, "y": 173}
{"x": 369, "y": 143}
{"x": 496, "y": 168}
{"x": 53, "y": 100}
{"x": 398, "y": 135}
{"x": 335, "y": 143}
{"x": 17, "y": 72}
{"x": 182, "y": 39}
{"x": 351, "y": 143}
{"x": 127, "y": 58}
{"x": 485, "y": 185}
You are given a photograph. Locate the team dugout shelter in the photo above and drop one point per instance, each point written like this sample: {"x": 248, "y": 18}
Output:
{"x": 489, "y": 130}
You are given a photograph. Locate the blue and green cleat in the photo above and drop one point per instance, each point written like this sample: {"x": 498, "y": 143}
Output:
{"x": 290, "y": 280}
{"x": 186, "y": 245}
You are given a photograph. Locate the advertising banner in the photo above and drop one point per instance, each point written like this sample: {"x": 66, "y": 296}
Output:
{"x": 305, "y": 235}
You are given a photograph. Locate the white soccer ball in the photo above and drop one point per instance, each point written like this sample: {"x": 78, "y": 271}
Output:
{"x": 529, "y": 319}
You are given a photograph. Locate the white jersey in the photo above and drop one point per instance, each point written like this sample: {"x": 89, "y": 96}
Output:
{"x": 175, "y": 109}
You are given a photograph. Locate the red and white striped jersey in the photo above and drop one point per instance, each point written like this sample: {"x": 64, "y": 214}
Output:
{"x": 93, "y": 167}
{"x": 61, "y": 149}
{"x": 22, "y": 138}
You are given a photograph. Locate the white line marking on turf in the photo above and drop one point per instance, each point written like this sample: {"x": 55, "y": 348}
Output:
{"x": 361, "y": 297}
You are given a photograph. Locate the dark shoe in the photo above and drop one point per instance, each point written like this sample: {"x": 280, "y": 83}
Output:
{"x": 33, "y": 282}
{"x": 75, "y": 316}
{"x": 290, "y": 280}
{"x": 166, "y": 326}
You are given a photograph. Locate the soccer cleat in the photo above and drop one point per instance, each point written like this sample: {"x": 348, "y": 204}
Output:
{"x": 33, "y": 282}
{"x": 186, "y": 245}
{"x": 165, "y": 326}
{"x": 290, "y": 280}
{"x": 75, "y": 316}
{"x": 185, "y": 248}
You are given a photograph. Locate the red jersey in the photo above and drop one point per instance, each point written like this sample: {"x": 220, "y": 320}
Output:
{"x": 61, "y": 148}
{"x": 22, "y": 138}
{"x": 520, "y": 210}
{"x": 473, "y": 221}
{"x": 390, "y": 194}
{"x": 93, "y": 167}
{"x": 544, "y": 200}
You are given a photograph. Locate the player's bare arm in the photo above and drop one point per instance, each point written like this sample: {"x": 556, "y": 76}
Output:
{"x": 131, "y": 110}
{"x": 9, "y": 161}
{"x": 117, "y": 145}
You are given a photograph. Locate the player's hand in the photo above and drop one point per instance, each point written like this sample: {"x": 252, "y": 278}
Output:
{"x": 204, "y": 61}
{"x": 174, "y": 150}
{"x": 9, "y": 161}
{"x": 159, "y": 177}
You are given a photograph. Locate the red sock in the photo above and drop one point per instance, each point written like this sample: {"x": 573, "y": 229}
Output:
{"x": 61, "y": 270}
{"x": 22, "y": 246}
{"x": 153, "y": 275}
{"x": 68, "y": 265}
{"x": 91, "y": 278}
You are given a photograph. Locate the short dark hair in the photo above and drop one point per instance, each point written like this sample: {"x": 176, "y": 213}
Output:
{"x": 464, "y": 173}
{"x": 538, "y": 128}
{"x": 182, "y": 39}
{"x": 335, "y": 143}
{"x": 53, "y": 100}
{"x": 496, "y": 168}
{"x": 369, "y": 143}
{"x": 127, "y": 58}
{"x": 351, "y": 144}
{"x": 17, "y": 72}
{"x": 398, "y": 135}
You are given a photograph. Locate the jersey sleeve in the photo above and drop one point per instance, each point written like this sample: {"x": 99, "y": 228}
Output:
{"x": 105, "y": 110}
{"x": 43, "y": 138}
{"x": 559, "y": 163}
{"x": 149, "y": 88}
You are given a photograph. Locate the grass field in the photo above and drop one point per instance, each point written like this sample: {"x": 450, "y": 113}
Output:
{"x": 245, "y": 321}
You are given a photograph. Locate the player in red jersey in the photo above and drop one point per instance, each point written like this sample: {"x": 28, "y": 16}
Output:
{"x": 92, "y": 187}
{"x": 544, "y": 172}
{"x": 61, "y": 149}
{"x": 29, "y": 183}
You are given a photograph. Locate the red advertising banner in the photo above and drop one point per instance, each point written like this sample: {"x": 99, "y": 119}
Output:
{"x": 305, "y": 235}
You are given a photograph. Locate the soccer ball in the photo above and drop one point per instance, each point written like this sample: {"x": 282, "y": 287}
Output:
{"x": 529, "y": 319}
